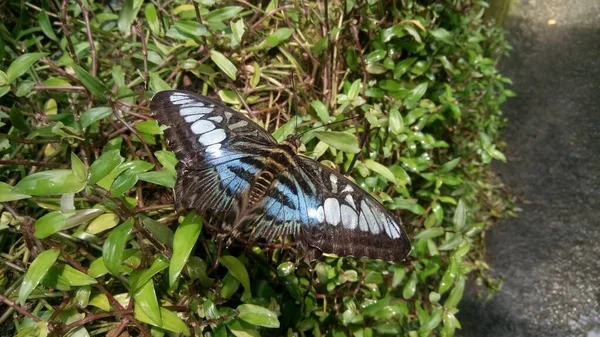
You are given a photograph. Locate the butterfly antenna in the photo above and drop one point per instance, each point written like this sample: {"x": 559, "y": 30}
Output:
{"x": 294, "y": 102}
{"x": 328, "y": 124}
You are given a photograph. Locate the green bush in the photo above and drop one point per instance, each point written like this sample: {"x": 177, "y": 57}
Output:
{"x": 89, "y": 238}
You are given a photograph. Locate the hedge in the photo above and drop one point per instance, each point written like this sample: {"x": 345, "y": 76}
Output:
{"x": 402, "y": 96}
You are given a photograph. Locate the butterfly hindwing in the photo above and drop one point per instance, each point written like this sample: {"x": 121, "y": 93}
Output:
{"x": 327, "y": 211}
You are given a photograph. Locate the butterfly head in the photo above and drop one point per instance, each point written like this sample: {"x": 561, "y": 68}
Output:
{"x": 293, "y": 142}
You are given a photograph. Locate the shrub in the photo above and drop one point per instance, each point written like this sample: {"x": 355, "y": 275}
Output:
{"x": 87, "y": 180}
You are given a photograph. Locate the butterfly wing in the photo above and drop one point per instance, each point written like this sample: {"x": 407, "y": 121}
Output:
{"x": 325, "y": 210}
{"x": 219, "y": 149}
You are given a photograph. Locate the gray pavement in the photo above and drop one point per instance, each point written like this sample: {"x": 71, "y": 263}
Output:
{"x": 550, "y": 255}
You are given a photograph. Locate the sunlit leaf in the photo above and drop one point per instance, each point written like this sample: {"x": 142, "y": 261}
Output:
{"x": 340, "y": 140}
{"x": 21, "y": 64}
{"x": 258, "y": 315}
{"x": 36, "y": 271}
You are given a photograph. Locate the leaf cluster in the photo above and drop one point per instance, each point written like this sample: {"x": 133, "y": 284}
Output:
{"x": 403, "y": 96}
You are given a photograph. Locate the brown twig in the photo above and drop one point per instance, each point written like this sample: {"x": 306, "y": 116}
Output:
{"x": 88, "y": 29}
{"x": 18, "y": 308}
{"x": 140, "y": 32}
{"x": 65, "y": 29}
{"x": 30, "y": 163}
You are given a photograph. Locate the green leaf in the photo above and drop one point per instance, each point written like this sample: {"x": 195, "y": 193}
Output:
{"x": 412, "y": 206}
{"x": 184, "y": 241}
{"x": 161, "y": 232}
{"x": 223, "y": 13}
{"x": 354, "y": 89}
{"x": 449, "y": 166}
{"x": 152, "y": 18}
{"x": 286, "y": 129}
{"x": 114, "y": 246}
{"x": 123, "y": 182}
{"x": 410, "y": 287}
{"x": 93, "y": 84}
{"x": 170, "y": 321}
{"x": 149, "y": 126}
{"x": 163, "y": 178}
{"x": 79, "y": 169}
{"x": 240, "y": 328}
{"x": 258, "y": 315}
{"x": 50, "y": 182}
{"x": 415, "y": 95}
{"x": 442, "y": 35}
{"x": 237, "y": 31}
{"x": 157, "y": 84}
{"x": 279, "y": 36}
{"x": 36, "y": 272}
{"x": 396, "y": 122}
{"x": 93, "y": 115}
{"x": 144, "y": 276}
{"x": 393, "y": 31}
{"x": 403, "y": 66}
{"x": 224, "y": 64}
{"x": 128, "y": 14}
{"x": 7, "y": 194}
{"x": 380, "y": 169}
{"x": 456, "y": 294}
{"x": 102, "y": 223}
{"x": 168, "y": 160}
{"x": 146, "y": 301}
{"x": 74, "y": 277}
{"x": 229, "y": 285}
{"x": 321, "y": 110}
{"x": 191, "y": 29}
{"x": 430, "y": 233}
{"x": 21, "y": 64}
{"x": 390, "y": 85}
{"x": 237, "y": 269}
{"x": 50, "y": 223}
{"x": 107, "y": 162}
{"x": 46, "y": 26}
{"x": 460, "y": 215}
{"x": 340, "y": 140}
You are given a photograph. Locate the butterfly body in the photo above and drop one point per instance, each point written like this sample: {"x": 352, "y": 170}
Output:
{"x": 231, "y": 167}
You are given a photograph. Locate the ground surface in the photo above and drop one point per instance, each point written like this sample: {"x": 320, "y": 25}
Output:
{"x": 550, "y": 255}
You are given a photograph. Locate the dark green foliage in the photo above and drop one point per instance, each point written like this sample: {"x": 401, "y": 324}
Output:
{"x": 86, "y": 179}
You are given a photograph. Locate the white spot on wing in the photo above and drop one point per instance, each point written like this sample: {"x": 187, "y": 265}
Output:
{"x": 216, "y": 119}
{"x": 192, "y": 118}
{"x": 348, "y": 189}
{"x": 215, "y": 149}
{"x": 332, "y": 211}
{"x": 212, "y": 137}
{"x": 350, "y": 201}
{"x": 194, "y": 111}
{"x": 334, "y": 181}
{"x": 177, "y": 98}
{"x": 188, "y": 103}
{"x": 371, "y": 221}
{"x": 362, "y": 222}
{"x": 349, "y": 217}
{"x": 239, "y": 124}
{"x": 394, "y": 230}
{"x": 202, "y": 126}
{"x": 317, "y": 214}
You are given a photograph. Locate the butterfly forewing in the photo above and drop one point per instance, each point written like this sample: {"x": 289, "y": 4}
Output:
{"x": 219, "y": 149}
{"x": 223, "y": 157}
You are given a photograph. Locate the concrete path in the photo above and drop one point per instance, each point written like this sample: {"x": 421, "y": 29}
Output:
{"x": 550, "y": 255}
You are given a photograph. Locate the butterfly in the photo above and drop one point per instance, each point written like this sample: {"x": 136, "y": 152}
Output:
{"x": 231, "y": 167}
